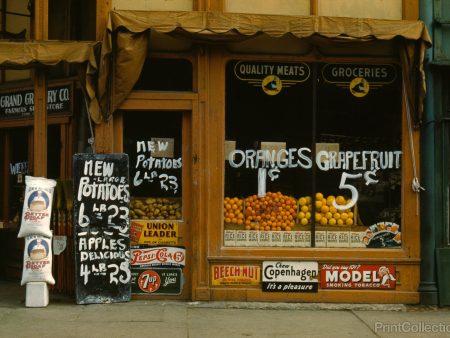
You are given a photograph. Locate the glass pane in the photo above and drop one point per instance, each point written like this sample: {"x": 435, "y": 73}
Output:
{"x": 165, "y": 74}
{"x": 267, "y": 153}
{"x": 53, "y": 151}
{"x": 153, "y": 142}
{"x": 15, "y": 162}
{"x": 359, "y": 155}
{"x": 286, "y": 165}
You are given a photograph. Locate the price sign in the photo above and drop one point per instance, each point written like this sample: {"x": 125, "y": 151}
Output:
{"x": 101, "y": 217}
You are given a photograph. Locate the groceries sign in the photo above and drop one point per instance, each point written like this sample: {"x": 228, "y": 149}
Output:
{"x": 21, "y": 104}
{"x": 359, "y": 79}
{"x": 278, "y": 276}
{"x": 356, "y": 276}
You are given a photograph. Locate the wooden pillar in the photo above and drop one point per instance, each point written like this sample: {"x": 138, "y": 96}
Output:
{"x": 410, "y": 9}
{"x": 40, "y": 20}
{"x": 40, "y": 29}
{"x": 40, "y": 123}
{"x": 104, "y": 132}
{"x": 313, "y": 9}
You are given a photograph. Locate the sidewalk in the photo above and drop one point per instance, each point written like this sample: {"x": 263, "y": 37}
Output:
{"x": 174, "y": 319}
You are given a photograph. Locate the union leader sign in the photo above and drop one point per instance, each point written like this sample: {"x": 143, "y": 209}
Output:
{"x": 357, "y": 276}
{"x": 280, "y": 276}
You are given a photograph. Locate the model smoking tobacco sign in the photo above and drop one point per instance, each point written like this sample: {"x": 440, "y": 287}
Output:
{"x": 101, "y": 216}
{"x": 280, "y": 276}
{"x": 272, "y": 77}
{"x": 357, "y": 276}
{"x": 359, "y": 79}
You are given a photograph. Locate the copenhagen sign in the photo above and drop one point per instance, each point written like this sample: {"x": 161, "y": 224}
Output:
{"x": 280, "y": 276}
{"x": 21, "y": 104}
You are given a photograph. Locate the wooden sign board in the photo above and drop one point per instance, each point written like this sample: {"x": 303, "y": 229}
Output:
{"x": 101, "y": 228}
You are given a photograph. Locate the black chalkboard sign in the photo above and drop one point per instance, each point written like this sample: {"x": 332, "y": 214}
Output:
{"x": 101, "y": 220}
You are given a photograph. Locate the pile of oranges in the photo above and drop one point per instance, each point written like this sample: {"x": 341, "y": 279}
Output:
{"x": 274, "y": 211}
{"x": 326, "y": 213}
{"x": 278, "y": 212}
{"x": 233, "y": 210}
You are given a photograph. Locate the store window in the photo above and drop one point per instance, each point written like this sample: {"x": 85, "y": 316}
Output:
{"x": 166, "y": 75}
{"x": 15, "y": 21}
{"x": 312, "y": 155}
{"x": 153, "y": 141}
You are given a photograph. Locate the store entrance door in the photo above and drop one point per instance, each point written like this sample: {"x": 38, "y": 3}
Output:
{"x": 158, "y": 143}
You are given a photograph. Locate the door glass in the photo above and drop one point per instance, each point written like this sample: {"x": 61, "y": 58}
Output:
{"x": 15, "y": 166}
{"x": 53, "y": 151}
{"x": 153, "y": 143}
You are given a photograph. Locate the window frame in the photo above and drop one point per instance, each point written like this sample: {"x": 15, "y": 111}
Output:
{"x": 410, "y": 221}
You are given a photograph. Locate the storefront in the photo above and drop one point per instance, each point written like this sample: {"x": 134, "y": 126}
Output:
{"x": 46, "y": 120}
{"x": 279, "y": 154}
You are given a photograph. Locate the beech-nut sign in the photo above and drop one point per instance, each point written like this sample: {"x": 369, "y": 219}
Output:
{"x": 359, "y": 79}
{"x": 272, "y": 77}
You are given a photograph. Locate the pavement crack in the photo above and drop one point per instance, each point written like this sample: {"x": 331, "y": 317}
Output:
{"x": 362, "y": 321}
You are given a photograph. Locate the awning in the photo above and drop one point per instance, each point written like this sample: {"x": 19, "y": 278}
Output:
{"x": 122, "y": 58}
{"x": 29, "y": 54}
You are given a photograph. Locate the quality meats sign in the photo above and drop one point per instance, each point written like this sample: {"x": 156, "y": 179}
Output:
{"x": 156, "y": 256}
{"x": 272, "y": 76}
{"x": 290, "y": 276}
{"x": 157, "y": 281}
{"x": 348, "y": 276}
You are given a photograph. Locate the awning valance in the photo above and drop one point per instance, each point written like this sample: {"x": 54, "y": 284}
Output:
{"x": 30, "y": 54}
{"x": 126, "y": 42}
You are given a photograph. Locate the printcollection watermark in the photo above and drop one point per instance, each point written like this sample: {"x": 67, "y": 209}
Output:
{"x": 408, "y": 327}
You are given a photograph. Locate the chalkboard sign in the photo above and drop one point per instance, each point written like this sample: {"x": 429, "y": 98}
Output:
{"x": 101, "y": 220}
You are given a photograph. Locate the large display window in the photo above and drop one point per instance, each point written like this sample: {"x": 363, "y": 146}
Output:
{"x": 153, "y": 143}
{"x": 313, "y": 155}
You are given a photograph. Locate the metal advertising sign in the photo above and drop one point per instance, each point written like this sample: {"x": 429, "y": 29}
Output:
{"x": 157, "y": 281}
{"x": 278, "y": 276}
{"x": 235, "y": 274}
{"x": 155, "y": 256}
{"x": 154, "y": 232}
{"x": 356, "y": 276}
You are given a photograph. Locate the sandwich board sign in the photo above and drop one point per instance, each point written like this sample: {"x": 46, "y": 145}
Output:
{"x": 101, "y": 228}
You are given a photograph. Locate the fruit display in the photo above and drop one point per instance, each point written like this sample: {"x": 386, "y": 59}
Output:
{"x": 274, "y": 211}
{"x": 233, "y": 210}
{"x": 278, "y": 212}
{"x": 155, "y": 208}
{"x": 325, "y": 212}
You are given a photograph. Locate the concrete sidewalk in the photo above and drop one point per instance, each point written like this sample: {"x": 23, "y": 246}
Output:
{"x": 63, "y": 318}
